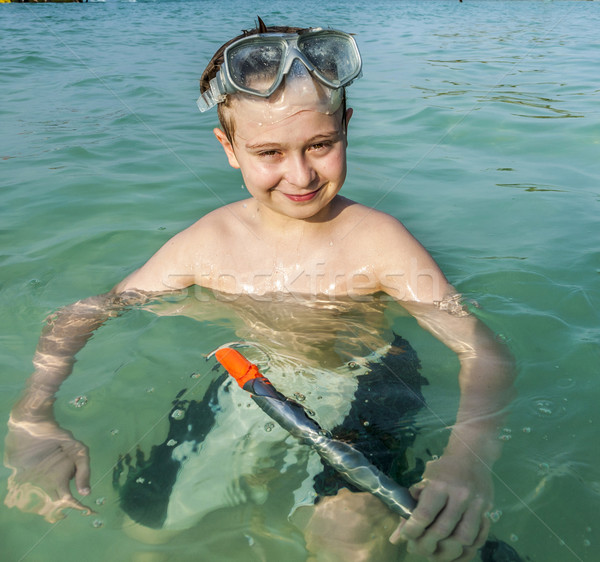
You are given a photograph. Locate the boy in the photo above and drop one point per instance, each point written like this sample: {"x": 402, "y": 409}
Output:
{"x": 281, "y": 103}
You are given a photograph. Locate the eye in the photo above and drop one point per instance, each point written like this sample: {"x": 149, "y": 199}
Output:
{"x": 321, "y": 146}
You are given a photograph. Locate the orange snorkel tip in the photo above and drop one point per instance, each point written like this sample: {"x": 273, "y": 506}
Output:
{"x": 237, "y": 365}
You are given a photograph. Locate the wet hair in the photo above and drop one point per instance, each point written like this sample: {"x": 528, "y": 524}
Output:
{"x": 225, "y": 117}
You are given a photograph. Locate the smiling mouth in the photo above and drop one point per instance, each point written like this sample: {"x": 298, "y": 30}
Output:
{"x": 303, "y": 196}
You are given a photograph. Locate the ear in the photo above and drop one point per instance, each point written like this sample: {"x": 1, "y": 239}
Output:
{"x": 227, "y": 147}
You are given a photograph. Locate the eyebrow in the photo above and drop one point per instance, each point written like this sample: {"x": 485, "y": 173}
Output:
{"x": 271, "y": 144}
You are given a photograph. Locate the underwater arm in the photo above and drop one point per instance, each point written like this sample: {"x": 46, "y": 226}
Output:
{"x": 43, "y": 456}
{"x": 449, "y": 522}
{"x": 456, "y": 491}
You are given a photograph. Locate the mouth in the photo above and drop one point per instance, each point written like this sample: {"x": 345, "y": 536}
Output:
{"x": 302, "y": 196}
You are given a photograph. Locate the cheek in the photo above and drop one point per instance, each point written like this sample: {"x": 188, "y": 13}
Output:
{"x": 335, "y": 165}
{"x": 260, "y": 176}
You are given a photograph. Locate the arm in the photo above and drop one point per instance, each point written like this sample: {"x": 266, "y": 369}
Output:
{"x": 457, "y": 490}
{"x": 449, "y": 521}
{"x": 42, "y": 456}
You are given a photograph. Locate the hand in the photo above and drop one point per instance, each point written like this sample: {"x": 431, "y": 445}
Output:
{"x": 44, "y": 458}
{"x": 449, "y": 522}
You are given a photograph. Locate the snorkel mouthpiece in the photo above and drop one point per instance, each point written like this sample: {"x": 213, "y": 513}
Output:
{"x": 237, "y": 365}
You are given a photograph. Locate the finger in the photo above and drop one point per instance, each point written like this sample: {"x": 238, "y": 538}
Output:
{"x": 82, "y": 473}
{"x": 471, "y": 524}
{"x": 447, "y": 550}
{"x": 431, "y": 502}
{"x": 397, "y": 537}
{"x": 483, "y": 534}
{"x": 452, "y": 549}
{"x": 70, "y": 502}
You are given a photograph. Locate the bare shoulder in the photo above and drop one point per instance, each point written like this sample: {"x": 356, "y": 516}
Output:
{"x": 174, "y": 265}
{"x": 375, "y": 228}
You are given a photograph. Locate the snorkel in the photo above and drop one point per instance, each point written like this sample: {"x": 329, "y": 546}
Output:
{"x": 350, "y": 463}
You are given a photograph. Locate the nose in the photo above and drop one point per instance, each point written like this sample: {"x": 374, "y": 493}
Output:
{"x": 299, "y": 172}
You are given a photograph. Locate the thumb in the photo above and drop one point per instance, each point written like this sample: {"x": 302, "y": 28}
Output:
{"x": 82, "y": 473}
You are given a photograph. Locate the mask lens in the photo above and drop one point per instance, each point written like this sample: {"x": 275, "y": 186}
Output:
{"x": 334, "y": 56}
{"x": 255, "y": 67}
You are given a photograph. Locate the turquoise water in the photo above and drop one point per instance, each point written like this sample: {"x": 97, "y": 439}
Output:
{"x": 475, "y": 123}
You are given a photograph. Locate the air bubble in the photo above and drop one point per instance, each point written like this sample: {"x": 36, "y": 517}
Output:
{"x": 269, "y": 426}
{"x": 299, "y": 396}
{"x": 79, "y": 401}
{"x": 514, "y": 538}
{"x": 544, "y": 408}
{"x": 565, "y": 383}
{"x": 586, "y": 542}
{"x": 495, "y": 515}
{"x": 544, "y": 468}
{"x": 114, "y": 432}
{"x": 178, "y": 414}
{"x": 171, "y": 443}
{"x": 100, "y": 501}
{"x": 526, "y": 430}
{"x": 97, "y": 523}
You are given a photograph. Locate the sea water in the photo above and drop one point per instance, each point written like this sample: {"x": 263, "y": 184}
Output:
{"x": 475, "y": 123}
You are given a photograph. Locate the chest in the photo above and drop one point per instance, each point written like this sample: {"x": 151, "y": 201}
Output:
{"x": 334, "y": 268}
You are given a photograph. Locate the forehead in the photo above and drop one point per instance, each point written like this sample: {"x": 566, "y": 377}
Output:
{"x": 300, "y": 127}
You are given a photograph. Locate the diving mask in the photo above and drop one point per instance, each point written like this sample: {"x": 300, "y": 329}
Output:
{"x": 257, "y": 64}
